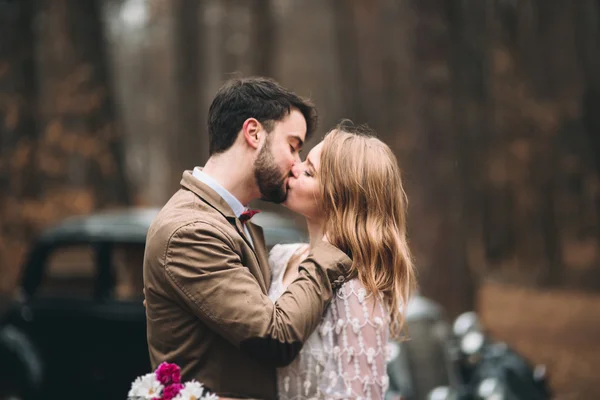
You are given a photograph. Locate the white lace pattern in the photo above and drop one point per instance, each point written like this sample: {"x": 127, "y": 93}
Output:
{"x": 345, "y": 358}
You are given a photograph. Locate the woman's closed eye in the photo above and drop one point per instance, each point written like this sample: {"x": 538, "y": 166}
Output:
{"x": 307, "y": 172}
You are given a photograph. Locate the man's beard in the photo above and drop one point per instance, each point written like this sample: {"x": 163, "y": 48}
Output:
{"x": 269, "y": 179}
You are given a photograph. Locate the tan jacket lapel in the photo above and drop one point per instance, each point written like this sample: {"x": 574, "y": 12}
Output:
{"x": 260, "y": 248}
{"x": 209, "y": 196}
{"x": 264, "y": 280}
{"x": 212, "y": 198}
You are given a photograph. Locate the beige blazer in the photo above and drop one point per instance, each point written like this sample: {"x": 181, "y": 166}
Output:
{"x": 206, "y": 292}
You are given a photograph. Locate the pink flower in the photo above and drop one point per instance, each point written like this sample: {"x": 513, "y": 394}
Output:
{"x": 171, "y": 391}
{"x": 168, "y": 374}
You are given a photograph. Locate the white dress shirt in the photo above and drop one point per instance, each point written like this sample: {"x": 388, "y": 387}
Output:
{"x": 237, "y": 207}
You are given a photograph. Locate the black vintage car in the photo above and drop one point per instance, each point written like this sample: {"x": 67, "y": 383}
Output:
{"x": 78, "y": 323}
{"x": 77, "y": 326}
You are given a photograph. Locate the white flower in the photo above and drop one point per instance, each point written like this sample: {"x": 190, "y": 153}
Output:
{"x": 192, "y": 390}
{"x": 146, "y": 387}
{"x": 211, "y": 396}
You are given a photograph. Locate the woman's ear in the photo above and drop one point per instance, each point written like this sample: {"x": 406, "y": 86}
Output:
{"x": 252, "y": 131}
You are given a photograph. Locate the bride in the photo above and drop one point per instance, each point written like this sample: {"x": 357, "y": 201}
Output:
{"x": 350, "y": 191}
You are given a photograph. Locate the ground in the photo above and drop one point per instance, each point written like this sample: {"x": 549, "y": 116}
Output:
{"x": 560, "y": 329}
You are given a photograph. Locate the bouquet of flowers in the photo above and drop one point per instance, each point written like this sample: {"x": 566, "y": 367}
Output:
{"x": 165, "y": 384}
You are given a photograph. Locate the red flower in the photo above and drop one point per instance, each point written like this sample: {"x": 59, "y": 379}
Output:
{"x": 171, "y": 391}
{"x": 168, "y": 374}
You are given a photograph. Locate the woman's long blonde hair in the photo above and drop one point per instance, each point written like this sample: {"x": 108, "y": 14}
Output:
{"x": 365, "y": 207}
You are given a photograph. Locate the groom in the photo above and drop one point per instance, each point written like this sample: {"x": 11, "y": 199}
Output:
{"x": 206, "y": 275}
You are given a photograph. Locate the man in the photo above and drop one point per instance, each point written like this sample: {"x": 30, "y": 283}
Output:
{"x": 206, "y": 274}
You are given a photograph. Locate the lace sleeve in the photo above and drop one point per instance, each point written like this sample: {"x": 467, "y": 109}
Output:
{"x": 279, "y": 257}
{"x": 355, "y": 335}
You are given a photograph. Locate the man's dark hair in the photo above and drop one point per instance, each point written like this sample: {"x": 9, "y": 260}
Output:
{"x": 255, "y": 97}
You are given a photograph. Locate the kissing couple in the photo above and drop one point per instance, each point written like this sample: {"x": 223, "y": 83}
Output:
{"x": 309, "y": 320}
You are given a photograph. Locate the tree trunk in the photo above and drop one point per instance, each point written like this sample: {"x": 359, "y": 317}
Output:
{"x": 402, "y": 88}
{"x": 438, "y": 231}
{"x": 470, "y": 38}
{"x": 144, "y": 62}
{"x": 81, "y": 154}
{"x": 348, "y": 53}
{"x": 18, "y": 133}
{"x": 541, "y": 219}
{"x": 264, "y": 37}
{"x": 191, "y": 142}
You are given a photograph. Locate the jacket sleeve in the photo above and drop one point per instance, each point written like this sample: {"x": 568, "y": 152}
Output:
{"x": 206, "y": 274}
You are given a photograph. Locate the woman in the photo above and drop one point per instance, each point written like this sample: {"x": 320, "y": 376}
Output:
{"x": 350, "y": 191}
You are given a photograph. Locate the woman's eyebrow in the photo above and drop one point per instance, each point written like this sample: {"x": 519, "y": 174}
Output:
{"x": 310, "y": 164}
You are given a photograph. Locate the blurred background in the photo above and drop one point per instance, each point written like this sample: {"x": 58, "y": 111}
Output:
{"x": 492, "y": 107}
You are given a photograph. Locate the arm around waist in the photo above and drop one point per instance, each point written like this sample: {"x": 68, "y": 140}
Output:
{"x": 204, "y": 272}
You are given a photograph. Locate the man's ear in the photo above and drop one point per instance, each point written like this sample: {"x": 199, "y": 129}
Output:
{"x": 252, "y": 131}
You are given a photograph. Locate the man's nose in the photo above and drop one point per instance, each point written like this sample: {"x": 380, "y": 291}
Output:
{"x": 296, "y": 170}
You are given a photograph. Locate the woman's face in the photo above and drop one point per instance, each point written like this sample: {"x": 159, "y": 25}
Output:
{"x": 303, "y": 188}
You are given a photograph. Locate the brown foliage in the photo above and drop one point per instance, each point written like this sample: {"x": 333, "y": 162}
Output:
{"x": 64, "y": 159}
{"x": 540, "y": 175}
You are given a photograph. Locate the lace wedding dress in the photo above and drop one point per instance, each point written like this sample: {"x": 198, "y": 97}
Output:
{"x": 345, "y": 358}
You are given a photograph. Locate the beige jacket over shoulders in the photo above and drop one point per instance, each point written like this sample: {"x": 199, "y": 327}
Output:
{"x": 206, "y": 292}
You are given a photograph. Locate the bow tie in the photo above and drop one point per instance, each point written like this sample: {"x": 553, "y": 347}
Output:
{"x": 246, "y": 215}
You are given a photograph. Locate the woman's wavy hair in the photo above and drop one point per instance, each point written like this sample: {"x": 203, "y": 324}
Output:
{"x": 365, "y": 207}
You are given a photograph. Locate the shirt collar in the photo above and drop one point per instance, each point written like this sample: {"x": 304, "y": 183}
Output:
{"x": 236, "y": 206}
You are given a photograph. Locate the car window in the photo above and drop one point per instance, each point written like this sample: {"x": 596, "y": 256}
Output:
{"x": 70, "y": 272}
{"x": 128, "y": 261}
